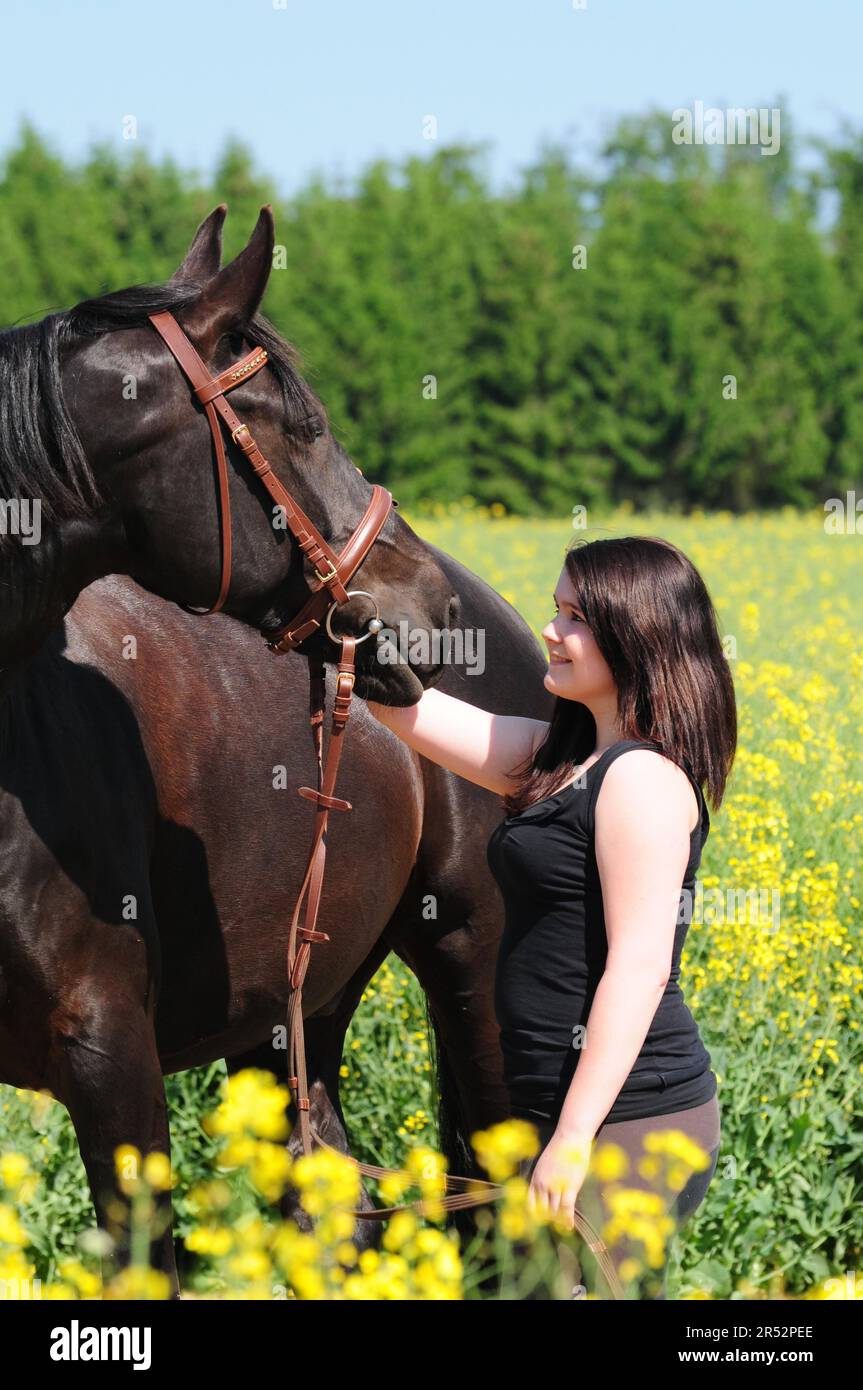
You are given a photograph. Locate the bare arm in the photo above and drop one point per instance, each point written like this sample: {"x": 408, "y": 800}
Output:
{"x": 642, "y": 847}
{"x": 471, "y": 742}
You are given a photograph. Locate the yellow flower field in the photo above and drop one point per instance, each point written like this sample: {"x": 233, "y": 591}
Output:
{"x": 772, "y": 972}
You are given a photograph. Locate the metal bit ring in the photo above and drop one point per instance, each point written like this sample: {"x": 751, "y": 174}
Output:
{"x": 355, "y": 593}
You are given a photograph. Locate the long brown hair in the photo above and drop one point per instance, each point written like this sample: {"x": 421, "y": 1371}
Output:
{"x": 654, "y": 622}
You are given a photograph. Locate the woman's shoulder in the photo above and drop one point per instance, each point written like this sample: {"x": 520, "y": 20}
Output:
{"x": 638, "y": 779}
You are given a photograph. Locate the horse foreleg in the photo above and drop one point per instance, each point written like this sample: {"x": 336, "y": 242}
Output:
{"x": 107, "y": 1073}
{"x": 453, "y": 956}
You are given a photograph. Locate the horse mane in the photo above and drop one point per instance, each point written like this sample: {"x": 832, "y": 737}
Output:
{"x": 41, "y": 454}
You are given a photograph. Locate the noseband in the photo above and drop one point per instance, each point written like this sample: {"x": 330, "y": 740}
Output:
{"x": 332, "y": 573}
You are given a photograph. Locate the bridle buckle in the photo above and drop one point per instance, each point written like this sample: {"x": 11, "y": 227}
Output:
{"x": 238, "y": 430}
{"x": 325, "y": 578}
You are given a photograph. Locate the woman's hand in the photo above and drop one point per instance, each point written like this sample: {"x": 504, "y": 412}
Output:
{"x": 558, "y": 1176}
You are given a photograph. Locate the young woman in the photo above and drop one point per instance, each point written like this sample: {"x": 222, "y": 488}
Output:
{"x": 596, "y": 860}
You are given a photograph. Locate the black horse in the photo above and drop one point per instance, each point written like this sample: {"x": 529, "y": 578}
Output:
{"x": 149, "y": 860}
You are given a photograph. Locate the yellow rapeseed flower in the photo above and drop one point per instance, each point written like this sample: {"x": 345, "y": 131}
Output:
{"x": 210, "y": 1240}
{"x": 270, "y": 1169}
{"x": 254, "y": 1103}
{"x": 14, "y": 1168}
{"x": 11, "y": 1230}
{"x": 501, "y": 1148}
{"x": 609, "y": 1162}
{"x": 87, "y": 1283}
{"x": 157, "y": 1171}
{"x": 127, "y": 1164}
{"x": 137, "y": 1282}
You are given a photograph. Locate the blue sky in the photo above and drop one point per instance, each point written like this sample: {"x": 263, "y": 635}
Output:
{"x": 327, "y": 85}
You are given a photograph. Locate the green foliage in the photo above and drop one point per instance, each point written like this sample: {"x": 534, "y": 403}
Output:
{"x": 459, "y": 350}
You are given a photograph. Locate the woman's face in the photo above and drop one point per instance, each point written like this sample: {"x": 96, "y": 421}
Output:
{"x": 577, "y": 670}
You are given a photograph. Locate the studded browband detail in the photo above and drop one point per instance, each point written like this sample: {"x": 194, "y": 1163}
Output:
{"x": 251, "y": 365}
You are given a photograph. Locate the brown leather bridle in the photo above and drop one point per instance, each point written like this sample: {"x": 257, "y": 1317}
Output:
{"x": 327, "y": 594}
{"x": 332, "y": 573}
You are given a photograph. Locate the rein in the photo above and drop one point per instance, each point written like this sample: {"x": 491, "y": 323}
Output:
{"x": 476, "y": 1192}
{"x": 332, "y": 572}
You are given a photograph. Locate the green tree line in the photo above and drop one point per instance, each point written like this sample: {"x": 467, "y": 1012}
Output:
{"x": 676, "y": 327}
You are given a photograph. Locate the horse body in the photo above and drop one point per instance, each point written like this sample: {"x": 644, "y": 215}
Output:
{"x": 150, "y": 794}
{"x": 147, "y": 785}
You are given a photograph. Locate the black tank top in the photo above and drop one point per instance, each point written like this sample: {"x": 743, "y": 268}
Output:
{"x": 552, "y": 955}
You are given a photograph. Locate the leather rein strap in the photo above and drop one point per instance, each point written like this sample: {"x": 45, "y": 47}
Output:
{"x": 332, "y": 573}
{"x": 477, "y": 1192}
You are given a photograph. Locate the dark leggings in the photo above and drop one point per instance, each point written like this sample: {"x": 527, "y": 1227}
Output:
{"x": 701, "y": 1123}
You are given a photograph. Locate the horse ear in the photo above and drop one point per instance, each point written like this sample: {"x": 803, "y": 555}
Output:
{"x": 204, "y": 256}
{"x": 232, "y": 296}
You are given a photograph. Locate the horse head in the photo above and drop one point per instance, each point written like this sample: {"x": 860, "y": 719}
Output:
{"x": 146, "y": 444}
